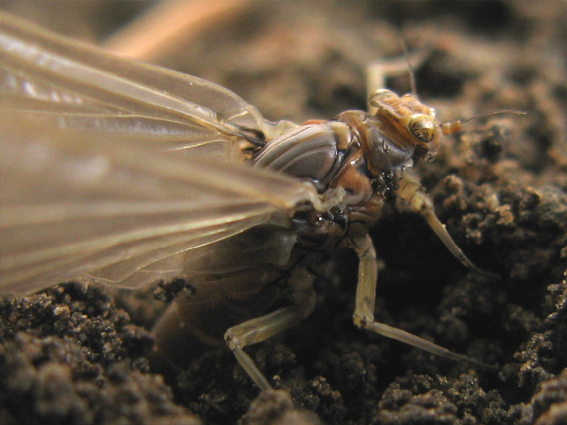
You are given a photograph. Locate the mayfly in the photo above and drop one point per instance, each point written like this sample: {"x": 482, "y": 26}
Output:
{"x": 125, "y": 173}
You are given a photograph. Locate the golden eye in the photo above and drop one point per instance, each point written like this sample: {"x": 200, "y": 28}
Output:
{"x": 422, "y": 127}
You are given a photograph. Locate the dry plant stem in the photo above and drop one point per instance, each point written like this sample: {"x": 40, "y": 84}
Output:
{"x": 169, "y": 23}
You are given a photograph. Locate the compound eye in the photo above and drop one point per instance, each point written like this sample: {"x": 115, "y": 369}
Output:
{"x": 422, "y": 127}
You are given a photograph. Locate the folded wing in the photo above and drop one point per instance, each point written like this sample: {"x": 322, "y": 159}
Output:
{"x": 75, "y": 85}
{"x": 89, "y": 185}
{"x": 75, "y": 205}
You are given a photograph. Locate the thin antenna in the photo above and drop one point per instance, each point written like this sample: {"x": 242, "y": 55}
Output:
{"x": 410, "y": 68}
{"x": 453, "y": 127}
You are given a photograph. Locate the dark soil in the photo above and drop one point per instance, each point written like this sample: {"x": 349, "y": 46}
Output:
{"x": 76, "y": 354}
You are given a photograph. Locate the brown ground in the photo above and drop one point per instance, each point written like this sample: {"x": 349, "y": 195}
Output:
{"x": 75, "y": 354}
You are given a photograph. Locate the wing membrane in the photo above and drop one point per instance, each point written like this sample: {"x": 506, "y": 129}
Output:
{"x": 86, "y": 190}
{"x": 75, "y": 205}
{"x": 79, "y": 86}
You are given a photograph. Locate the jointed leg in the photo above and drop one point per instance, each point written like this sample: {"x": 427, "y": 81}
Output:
{"x": 365, "y": 303}
{"x": 258, "y": 330}
{"x": 409, "y": 190}
{"x": 376, "y": 72}
{"x": 264, "y": 327}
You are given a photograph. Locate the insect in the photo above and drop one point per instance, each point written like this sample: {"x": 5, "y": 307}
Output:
{"x": 125, "y": 173}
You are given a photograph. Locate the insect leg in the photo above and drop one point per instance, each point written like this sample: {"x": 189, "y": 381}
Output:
{"x": 258, "y": 330}
{"x": 409, "y": 189}
{"x": 376, "y": 72}
{"x": 264, "y": 327}
{"x": 365, "y": 303}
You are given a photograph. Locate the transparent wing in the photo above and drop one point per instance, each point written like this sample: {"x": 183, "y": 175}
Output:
{"x": 75, "y": 205}
{"x": 78, "y": 86}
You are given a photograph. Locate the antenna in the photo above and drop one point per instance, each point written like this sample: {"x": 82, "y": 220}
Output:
{"x": 411, "y": 72}
{"x": 453, "y": 127}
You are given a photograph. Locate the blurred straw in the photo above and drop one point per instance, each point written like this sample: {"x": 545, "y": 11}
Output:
{"x": 158, "y": 31}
